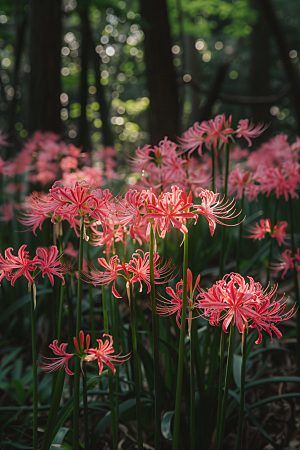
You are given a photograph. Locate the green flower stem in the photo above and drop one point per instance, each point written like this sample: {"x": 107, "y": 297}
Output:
{"x": 155, "y": 347}
{"x": 223, "y": 240}
{"x": 213, "y": 172}
{"x": 192, "y": 386}
{"x": 85, "y": 410}
{"x": 110, "y": 378}
{"x": 297, "y": 295}
{"x": 116, "y": 324}
{"x": 78, "y": 327}
{"x": 61, "y": 302}
{"x": 239, "y": 246}
{"x": 242, "y": 391}
{"x": 135, "y": 368}
{"x": 220, "y": 396}
{"x": 54, "y": 408}
{"x": 272, "y": 239}
{"x": 34, "y": 367}
{"x": 181, "y": 348}
{"x": 61, "y": 296}
{"x": 227, "y": 381}
{"x": 92, "y": 318}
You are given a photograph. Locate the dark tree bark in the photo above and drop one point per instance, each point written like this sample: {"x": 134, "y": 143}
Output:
{"x": 104, "y": 109}
{"x": 260, "y": 69}
{"x": 83, "y": 135}
{"x": 45, "y": 62}
{"x": 161, "y": 75}
{"x": 21, "y": 24}
{"x": 214, "y": 92}
{"x": 283, "y": 47}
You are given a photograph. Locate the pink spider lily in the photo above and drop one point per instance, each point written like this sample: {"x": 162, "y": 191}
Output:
{"x": 216, "y": 130}
{"x": 259, "y": 230}
{"x": 59, "y": 362}
{"x": 16, "y": 266}
{"x": 268, "y": 313}
{"x": 49, "y": 261}
{"x": 213, "y": 210}
{"x": 104, "y": 354}
{"x": 137, "y": 270}
{"x": 233, "y": 300}
{"x": 192, "y": 139}
{"x": 139, "y": 266}
{"x": 112, "y": 272}
{"x": 171, "y": 209}
{"x": 167, "y": 307}
{"x": 246, "y": 130}
{"x": 286, "y": 262}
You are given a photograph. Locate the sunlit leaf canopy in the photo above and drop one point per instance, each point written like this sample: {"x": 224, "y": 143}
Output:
{"x": 204, "y": 34}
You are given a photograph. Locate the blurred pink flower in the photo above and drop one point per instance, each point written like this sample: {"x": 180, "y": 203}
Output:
{"x": 286, "y": 262}
{"x": 246, "y": 130}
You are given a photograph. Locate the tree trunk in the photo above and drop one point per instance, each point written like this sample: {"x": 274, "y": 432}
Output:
{"x": 161, "y": 75}
{"x": 260, "y": 69}
{"x": 83, "y": 131}
{"x": 283, "y": 47}
{"x": 45, "y": 62}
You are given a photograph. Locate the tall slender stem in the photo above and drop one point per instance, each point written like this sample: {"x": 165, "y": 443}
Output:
{"x": 92, "y": 318}
{"x": 223, "y": 242}
{"x": 110, "y": 378}
{"x": 242, "y": 391}
{"x": 34, "y": 367}
{"x": 220, "y": 396}
{"x": 78, "y": 327}
{"x": 85, "y": 410}
{"x": 297, "y": 295}
{"x": 226, "y": 388}
{"x": 181, "y": 348}
{"x": 192, "y": 386}
{"x": 239, "y": 247}
{"x": 155, "y": 347}
{"x": 135, "y": 368}
{"x": 213, "y": 172}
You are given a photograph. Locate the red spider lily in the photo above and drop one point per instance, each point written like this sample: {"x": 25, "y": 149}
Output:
{"x": 212, "y": 209}
{"x": 286, "y": 262}
{"x": 171, "y": 209}
{"x": 111, "y": 273}
{"x": 216, "y": 130}
{"x": 192, "y": 139}
{"x": 250, "y": 131}
{"x": 268, "y": 313}
{"x": 167, "y": 307}
{"x": 60, "y": 361}
{"x": 139, "y": 266}
{"x": 137, "y": 270}
{"x": 259, "y": 230}
{"x": 104, "y": 355}
{"x": 16, "y": 266}
{"x": 264, "y": 226}
{"x": 49, "y": 261}
{"x": 80, "y": 346}
{"x": 232, "y": 299}
{"x": 128, "y": 211}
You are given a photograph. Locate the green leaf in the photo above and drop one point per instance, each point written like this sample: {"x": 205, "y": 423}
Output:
{"x": 166, "y": 422}
{"x": 237, "y": 367}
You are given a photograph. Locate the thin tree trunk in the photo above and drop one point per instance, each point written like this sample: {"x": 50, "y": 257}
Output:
{"x": 260, "y": 69}
{"x": 45, "y": 62}
{"x": 161, "y": 75}
{"x": 83, "y": 131}
{"x": 283, "y": 47}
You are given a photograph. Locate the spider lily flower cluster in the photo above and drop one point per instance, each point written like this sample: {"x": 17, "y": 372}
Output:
{"x": 233, "y": 300}
{"x": 286, "y": 262}
{"x": 135, "y": 271}
{"x": 137, "y": 211}
{"x": 260, "y": 229}
{"x": 46, "y": 261}
{"x": 103, "y": 355}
